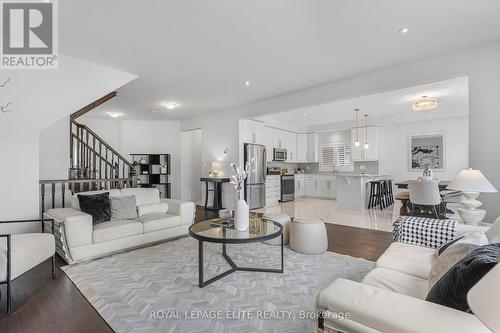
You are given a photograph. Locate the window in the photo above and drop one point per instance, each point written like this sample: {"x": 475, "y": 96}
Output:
{"x": 335, "y": 157}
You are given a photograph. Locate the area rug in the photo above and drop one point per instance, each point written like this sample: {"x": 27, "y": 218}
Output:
{"x": 155, "y": 289}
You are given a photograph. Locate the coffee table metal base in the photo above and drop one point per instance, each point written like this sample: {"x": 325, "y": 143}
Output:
{"x": 233, "y": 268}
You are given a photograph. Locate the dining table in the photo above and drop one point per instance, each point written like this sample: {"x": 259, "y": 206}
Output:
{"x": 404, "y": 185}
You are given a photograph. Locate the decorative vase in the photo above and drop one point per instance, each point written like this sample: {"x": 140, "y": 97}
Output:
{"x": 241, "y": 216}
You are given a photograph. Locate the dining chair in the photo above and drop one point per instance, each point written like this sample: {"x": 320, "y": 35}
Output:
{"x": 425, "y": 193}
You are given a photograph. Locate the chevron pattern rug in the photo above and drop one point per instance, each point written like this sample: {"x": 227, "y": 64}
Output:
{"x": 155, "y": 289}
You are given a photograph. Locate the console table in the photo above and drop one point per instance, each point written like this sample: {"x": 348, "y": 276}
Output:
{"x": 217, "y": 189}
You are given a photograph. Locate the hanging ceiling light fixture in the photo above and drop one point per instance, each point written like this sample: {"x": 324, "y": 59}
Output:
{"x": 425, "y": 103}
{"x": 357, "y": 143}
{"x": 366, "y": 132}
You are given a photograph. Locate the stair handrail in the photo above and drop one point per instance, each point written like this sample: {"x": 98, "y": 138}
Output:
{"x": 104, "y": 143}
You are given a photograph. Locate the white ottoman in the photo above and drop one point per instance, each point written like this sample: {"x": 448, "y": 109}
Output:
{"x": 285, "y": 221}
{"x": 308, "y": 236}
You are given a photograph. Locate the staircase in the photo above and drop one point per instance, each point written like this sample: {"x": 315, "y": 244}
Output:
{"x": 93, "y": 158}
{"x": 94, "y": 165}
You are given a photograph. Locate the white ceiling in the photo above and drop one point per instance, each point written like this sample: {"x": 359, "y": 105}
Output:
{"x": 387, "y": 107}
{"x": 199, "y": 53}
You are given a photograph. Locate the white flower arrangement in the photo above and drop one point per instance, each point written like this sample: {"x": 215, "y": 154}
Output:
{"x": 240, "y": 174}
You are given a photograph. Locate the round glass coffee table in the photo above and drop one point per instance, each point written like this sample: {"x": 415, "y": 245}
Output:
{"x": 260, "y": 230}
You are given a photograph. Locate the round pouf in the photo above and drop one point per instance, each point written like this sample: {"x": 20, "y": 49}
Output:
{"x": 285, "y": 221}
{"x": 308, "y": 236}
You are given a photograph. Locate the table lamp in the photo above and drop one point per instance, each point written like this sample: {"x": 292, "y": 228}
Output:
{"x": 484, "y": 299}
{"x": 471, "y": 182}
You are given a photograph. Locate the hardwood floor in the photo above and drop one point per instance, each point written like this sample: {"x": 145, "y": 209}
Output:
{"x": 41, "y": 304}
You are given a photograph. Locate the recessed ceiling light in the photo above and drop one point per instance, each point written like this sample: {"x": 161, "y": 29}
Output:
{"x": 246, "y": 83}
{"x": 404, "y": 30}
{"x": 169, "y": 105}
{"x": 305, "y": 114}
{"x": 114, "y": 114}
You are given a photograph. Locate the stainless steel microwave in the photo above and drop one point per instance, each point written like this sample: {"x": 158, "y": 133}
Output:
{"x": 279, "y": 154}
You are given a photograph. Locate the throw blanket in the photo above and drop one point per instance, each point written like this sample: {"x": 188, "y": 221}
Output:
{"x": 424, "y": 231}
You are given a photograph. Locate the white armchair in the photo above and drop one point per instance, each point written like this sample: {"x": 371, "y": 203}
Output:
{"x": 19, "y": 253}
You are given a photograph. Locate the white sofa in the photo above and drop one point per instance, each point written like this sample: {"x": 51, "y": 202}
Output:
{"x": 391, "y": 298}
{"x": 77, "y": 239}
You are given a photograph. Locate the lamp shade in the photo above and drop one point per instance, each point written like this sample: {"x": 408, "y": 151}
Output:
{"x": 484, "y": 299}
{"x": 470, "y": 180}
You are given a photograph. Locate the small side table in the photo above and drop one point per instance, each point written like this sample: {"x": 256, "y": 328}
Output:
{"x": 217, "y": 189}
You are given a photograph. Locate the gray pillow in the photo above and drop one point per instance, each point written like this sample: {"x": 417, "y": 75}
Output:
{"x": 453, "y": 253}
{"x": 123, "y": 208}
{"x": 451, "y": 290}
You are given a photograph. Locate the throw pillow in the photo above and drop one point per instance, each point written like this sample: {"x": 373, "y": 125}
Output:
{"x": 96, "y": 205}
{"x": 451, "y": 290}
{"x": 478, "y": 238}
{"x": 454, "y": 252}
{"x": 154, "y": 208}
{"x": 123, "y": 208}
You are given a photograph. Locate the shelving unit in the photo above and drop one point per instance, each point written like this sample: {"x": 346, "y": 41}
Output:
{"x": 153, "y": 170}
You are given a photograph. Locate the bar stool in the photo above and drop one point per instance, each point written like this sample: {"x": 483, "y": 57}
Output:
{"x": 376, "y": 194}
{"x": 390, "y": 193}
{"x": 388, "y": 196}
{"x": 385, "y": 196}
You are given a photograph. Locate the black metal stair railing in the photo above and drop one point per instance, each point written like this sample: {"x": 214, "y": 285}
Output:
{"x": 93, "y": 158}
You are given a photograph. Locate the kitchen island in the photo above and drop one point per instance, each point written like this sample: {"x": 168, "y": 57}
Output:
{"x": 353, "y": 189}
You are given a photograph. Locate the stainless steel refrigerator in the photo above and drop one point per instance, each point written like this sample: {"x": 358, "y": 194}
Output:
{"x": 255, "y": 184}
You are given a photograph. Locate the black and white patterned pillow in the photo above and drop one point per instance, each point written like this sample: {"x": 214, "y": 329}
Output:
{"x": 422, "y": 231}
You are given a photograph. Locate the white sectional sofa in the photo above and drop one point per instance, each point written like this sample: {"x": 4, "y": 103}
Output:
{"x": 77, "y": 239}
{"x": 391, "y": 298}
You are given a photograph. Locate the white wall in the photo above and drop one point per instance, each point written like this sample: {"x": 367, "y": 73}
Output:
{"x": 480, "y": 63}
{"x": 218, "y": 132}
{"x": 394, "y": 149}
{"x": 40, "y": 98}
{"x": 54, "y": 150}
{"x": 154, "y": 137}
{"x": 191, "y": 165}
{"x": 109, "y": 130}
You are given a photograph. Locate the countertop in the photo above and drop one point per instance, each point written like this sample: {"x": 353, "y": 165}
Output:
{"x": 338, "y": 174}
{"x": 360, "y": 175}
{"x": 342, "y": 174}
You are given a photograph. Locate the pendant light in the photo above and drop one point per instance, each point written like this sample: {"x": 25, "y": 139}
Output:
{"x": 357, "y": 143}
{"x": 366, "y": 132}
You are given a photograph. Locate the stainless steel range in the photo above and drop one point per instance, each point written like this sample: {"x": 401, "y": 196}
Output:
{"x": 287, "y": 188}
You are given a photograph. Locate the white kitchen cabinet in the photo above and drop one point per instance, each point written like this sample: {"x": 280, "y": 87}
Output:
{"x": 273, "y": 190}
{"x": 311, "y": 186}
{"x": 320, "y": 186}
{"x": 326, "y": 187}
{"x": 312, "y": 147}
{"x": 251, "y": 131}
{"x": 278, "y": 138}
{"x": 369, "y": 135}
{"x": 268, "y": 142}
{"x": 299, "y": 186}
{"x": 291, "y": 146}
{"x": 301, "y": 155}
{"x": 372, "y": 153}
